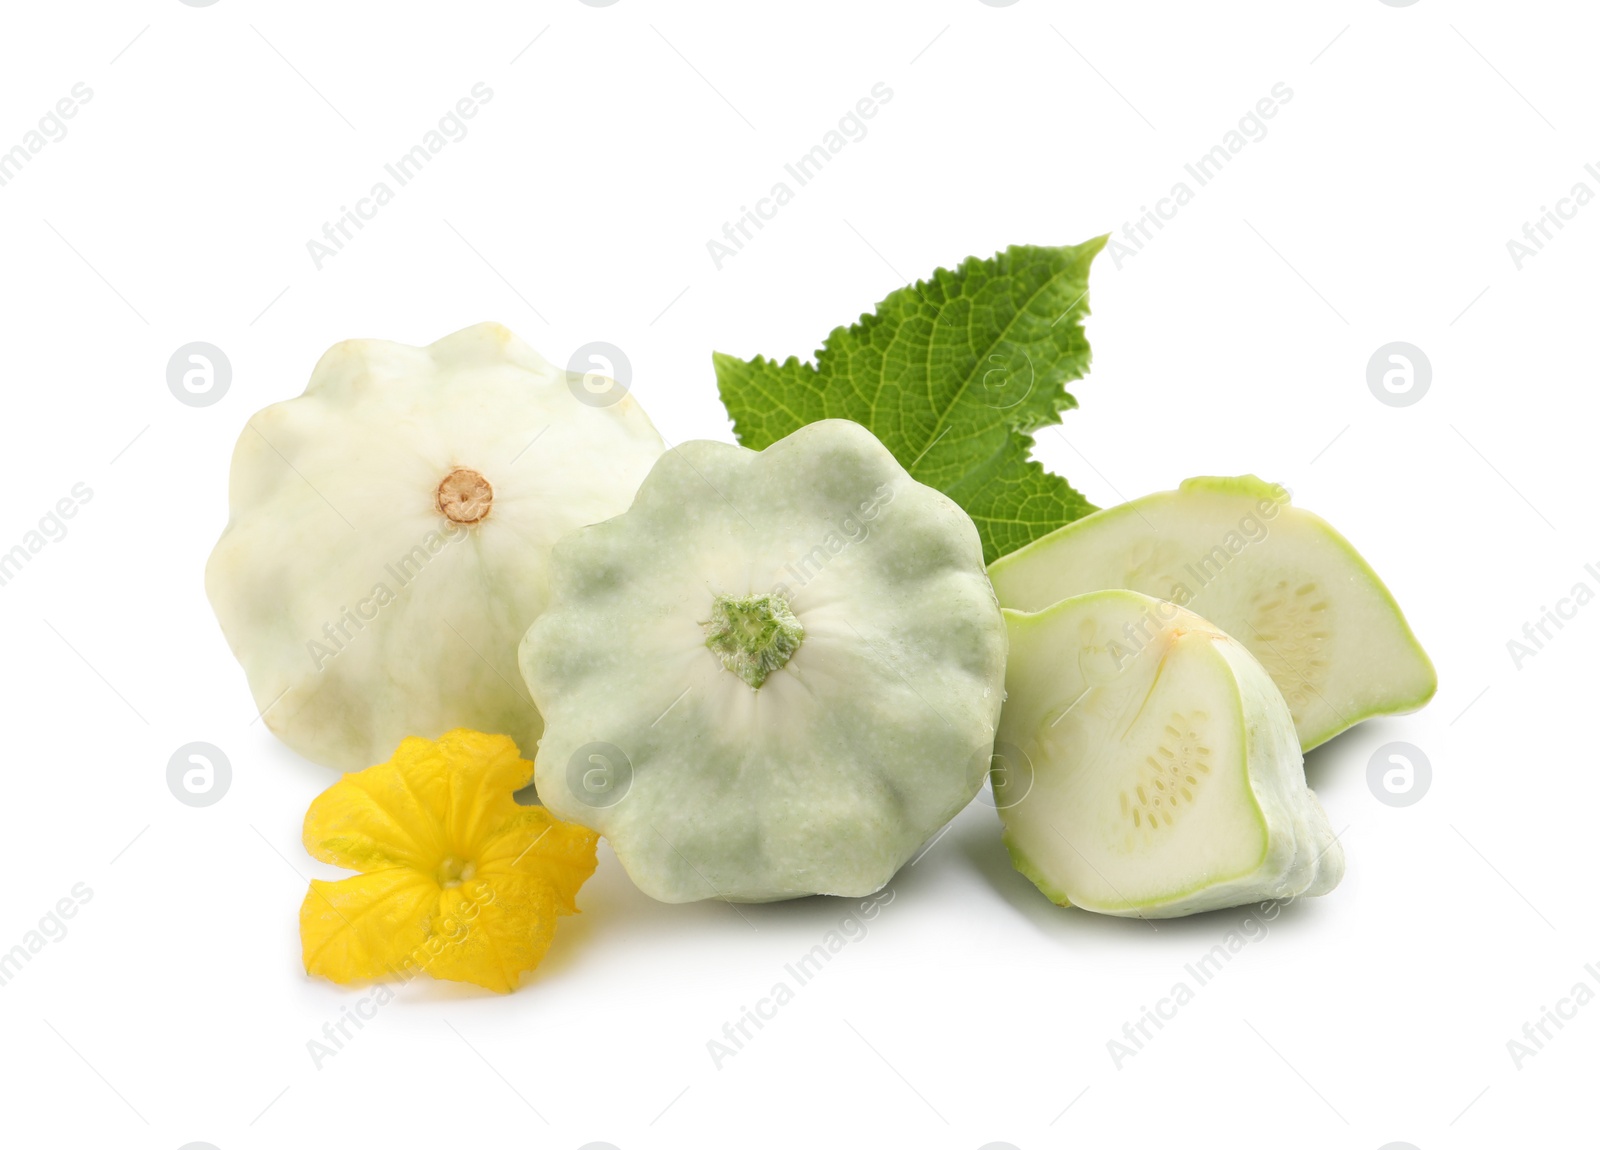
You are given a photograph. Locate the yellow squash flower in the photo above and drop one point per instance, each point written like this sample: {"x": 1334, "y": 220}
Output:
{"x": 457, "y": 879}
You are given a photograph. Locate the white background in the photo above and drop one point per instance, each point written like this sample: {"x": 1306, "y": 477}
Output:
{"x": 217, "y": 142}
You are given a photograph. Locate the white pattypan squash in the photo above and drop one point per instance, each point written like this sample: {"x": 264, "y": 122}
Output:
{"x": 390, "y": 534}
{"x": 777, "y": 674}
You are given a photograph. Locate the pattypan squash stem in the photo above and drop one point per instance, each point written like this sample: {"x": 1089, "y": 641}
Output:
{"x": 753, "y": 635}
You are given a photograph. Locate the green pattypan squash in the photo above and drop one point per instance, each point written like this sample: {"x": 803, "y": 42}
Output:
{"x": 777, "y": 674}
{"x": 390, "y": 535}
{"x": 1148, "y": 766}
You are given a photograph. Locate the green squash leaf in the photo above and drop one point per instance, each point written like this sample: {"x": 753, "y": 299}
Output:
{"x": 953, "y": 375}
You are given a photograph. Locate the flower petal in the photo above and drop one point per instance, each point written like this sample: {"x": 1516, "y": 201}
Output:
{"x": 366, "y": 926}
{"x": 532, "y": 843}
{"x": 481, "y": 771}
{"x": 496, "y": 931}
{"x": 385, "y": 816}
{"x": 500, "y": 924}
